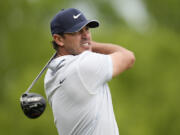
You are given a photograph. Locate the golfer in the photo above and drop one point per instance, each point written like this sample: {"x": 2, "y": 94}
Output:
{"x": 76, "y": 80}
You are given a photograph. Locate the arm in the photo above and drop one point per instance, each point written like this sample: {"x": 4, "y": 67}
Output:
{"x": 122, "y": 58}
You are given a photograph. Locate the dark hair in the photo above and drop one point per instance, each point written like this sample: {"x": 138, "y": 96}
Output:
{"x": 55, "y": 45}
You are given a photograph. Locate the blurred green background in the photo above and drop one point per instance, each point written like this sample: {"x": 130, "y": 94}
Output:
{"x": 145, "y": 98}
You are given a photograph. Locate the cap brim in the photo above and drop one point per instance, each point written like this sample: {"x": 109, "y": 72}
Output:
{"x": 79, "y": 26}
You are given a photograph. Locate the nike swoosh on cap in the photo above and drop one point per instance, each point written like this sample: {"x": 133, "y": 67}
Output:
{"x": 76, "y": 16}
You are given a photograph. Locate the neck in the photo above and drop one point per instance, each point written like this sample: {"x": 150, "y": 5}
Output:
{"x": 60, "y": 53}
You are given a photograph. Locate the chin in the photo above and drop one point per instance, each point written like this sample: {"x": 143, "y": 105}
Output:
{"x": 85, "y": 49}
{"x": 88, "y": 49}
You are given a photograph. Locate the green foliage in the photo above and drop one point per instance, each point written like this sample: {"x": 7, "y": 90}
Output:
{"x": 166, "y": 12}
{"x": 145, "y": 98}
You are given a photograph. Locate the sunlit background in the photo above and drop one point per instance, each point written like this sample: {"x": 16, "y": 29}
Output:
{"x": 145, "y": 99}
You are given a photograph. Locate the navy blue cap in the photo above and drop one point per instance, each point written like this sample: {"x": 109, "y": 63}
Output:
{"x": 69, "y": 21}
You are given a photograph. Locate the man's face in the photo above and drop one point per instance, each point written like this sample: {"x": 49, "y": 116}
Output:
{"x": 77, "y": 42}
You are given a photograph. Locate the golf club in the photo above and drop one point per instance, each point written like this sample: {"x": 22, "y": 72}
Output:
{"x": 33, "y": 104}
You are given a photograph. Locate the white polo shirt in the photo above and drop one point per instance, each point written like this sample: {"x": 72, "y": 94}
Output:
{"x": 77, "y": 90}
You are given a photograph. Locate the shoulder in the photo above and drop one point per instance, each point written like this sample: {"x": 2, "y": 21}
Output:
{"x": 94, "y": 70}
{"x": 88, "y": 59}
{"x": 95, "y": 65}
{"x": 92, "y": 56}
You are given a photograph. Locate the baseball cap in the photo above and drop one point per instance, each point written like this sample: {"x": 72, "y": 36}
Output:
{"x": 70, "y": 20}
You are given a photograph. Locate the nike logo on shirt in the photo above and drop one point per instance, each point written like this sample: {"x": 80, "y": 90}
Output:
{"x": 76, "y": 16}
{"x": 62, "y": 81}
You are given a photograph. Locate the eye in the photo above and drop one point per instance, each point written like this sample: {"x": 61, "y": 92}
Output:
{"x": 84, "y": 30}
{"x": 73, "y": 34}
{"x": 87, "y": 28}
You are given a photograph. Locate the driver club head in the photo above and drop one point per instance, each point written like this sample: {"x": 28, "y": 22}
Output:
{"x": 32, "y": 104}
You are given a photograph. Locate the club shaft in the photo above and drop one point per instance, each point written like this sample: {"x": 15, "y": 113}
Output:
{"x": 39, "y": 75}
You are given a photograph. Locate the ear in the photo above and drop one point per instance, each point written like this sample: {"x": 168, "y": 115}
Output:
{"x": 58, "y": 39}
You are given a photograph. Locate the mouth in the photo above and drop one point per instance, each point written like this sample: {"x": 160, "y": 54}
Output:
{"x": 86, "y": 45}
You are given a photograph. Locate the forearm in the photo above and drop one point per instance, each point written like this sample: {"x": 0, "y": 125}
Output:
{"x": 106, "y": 48}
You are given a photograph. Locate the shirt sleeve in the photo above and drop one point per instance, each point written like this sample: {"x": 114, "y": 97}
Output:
{"x": 94, "y": 70}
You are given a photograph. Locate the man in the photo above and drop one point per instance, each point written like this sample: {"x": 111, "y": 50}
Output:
{"x": 76, "y": 80}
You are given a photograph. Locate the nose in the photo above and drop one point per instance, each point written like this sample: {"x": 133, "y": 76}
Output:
{"x": 85, "y": 33}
